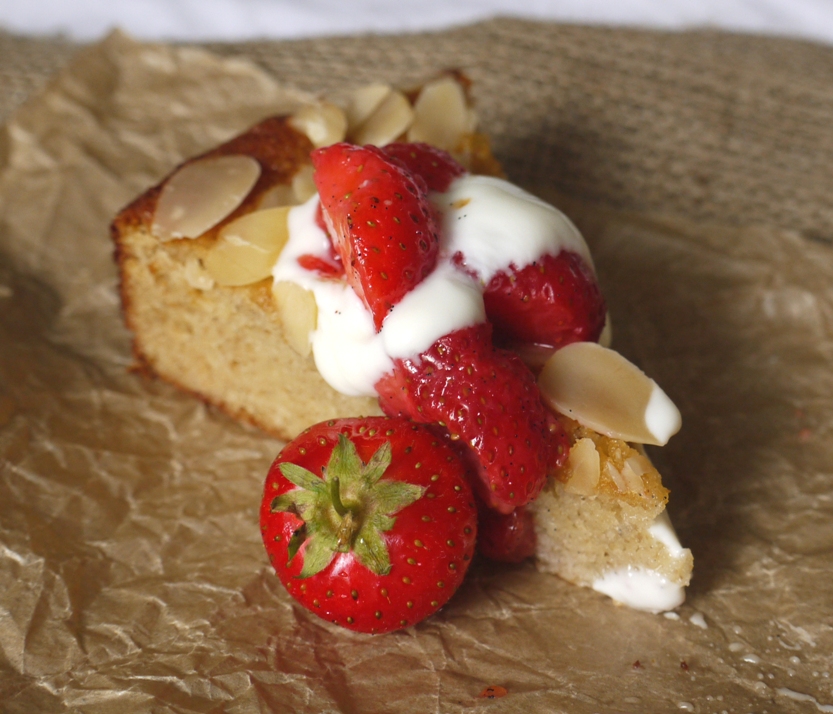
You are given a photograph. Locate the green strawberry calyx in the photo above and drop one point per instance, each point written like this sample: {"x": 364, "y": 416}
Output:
{"x": 347, "y": 509}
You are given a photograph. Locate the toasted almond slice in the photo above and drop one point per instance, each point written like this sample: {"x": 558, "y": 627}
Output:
{"x": 298, "y": 312}
{"x": 302, "y": 184}
{"x": 246, "y": 249}
{"x": 279, "y": 195}
{"x": 324, "y": 123}
{"x": 639, "y": 464}
{"x": 633, "y": 480}
{"x": 390, "y": 121}
{"x": 441, "y": 114}
{"x": 201, "y": 194}
{"x": 602, "y": 390}
{"x": 617, "y": 477}
{"x": 362, "y": 103}
{"x": 584, "y": 463}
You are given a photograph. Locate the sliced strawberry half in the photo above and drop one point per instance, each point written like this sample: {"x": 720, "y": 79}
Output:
{"x": 487, "y": 399}
{"x": 506, "y": 537}
{"x": 381, "y": 222}
{"x": 552, "y": 302}
{"x": 436, "y": 167}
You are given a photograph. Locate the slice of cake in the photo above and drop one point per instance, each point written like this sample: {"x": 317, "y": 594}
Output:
{"x": 234, "y": 292}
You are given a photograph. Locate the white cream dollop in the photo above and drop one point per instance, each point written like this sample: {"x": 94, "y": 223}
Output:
{"x": 445, "y": 301}
{"x": 642, "y": 588}
{"x": 348, "y": 352}
{"x": 664, "y": 532}
{"x": 662, "y": 417}
{"x": 492, "y": 222}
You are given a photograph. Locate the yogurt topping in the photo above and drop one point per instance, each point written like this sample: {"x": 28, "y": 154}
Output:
{"x": 445, "y": 301}
{"x": 664, "y": 532}
{"x": 493, "y": 223}
{"x": 641, "y": 589}
{"x": 662, "y": 416}
{"x": 645, "y": 589}
{"x": 348, "y": 352}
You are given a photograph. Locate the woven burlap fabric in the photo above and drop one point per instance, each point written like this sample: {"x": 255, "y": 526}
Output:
{"x": 705, "y": 125}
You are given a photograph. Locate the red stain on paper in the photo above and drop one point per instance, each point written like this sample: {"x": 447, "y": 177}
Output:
{"x": 495, "y": 691}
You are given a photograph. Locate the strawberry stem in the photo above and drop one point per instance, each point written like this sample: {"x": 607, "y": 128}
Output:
{"x": 332, "y": 527}
{"x": 335, "y": 495}
{"x": 346, "y": 533}
{"x": 349, "y": 524}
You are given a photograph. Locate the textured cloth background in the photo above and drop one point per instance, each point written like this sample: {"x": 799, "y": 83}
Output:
{"x": 237, "y": 20}
{"x": 701, "y": 124}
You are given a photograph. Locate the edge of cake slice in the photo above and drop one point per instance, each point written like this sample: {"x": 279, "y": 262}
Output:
{"x": 224, "y": 344}
{"x": 601, "y": 523}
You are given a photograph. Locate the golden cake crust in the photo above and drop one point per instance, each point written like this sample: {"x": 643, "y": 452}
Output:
{"x": 201, "y": 340}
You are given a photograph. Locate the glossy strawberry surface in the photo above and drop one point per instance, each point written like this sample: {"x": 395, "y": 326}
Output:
{"x": 486, "y": 399}
{"x": 373, "y": 539}
{"x": 506, "y": 537}
{"x": 434, "y": 166}
{"x": 552, "y": 302}
{"x": 380, "y": 220}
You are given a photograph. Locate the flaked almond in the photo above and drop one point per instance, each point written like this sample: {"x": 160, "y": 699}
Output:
{"x": 298, "y": 312}
{"x": 362, "y": 103}
{"x": 201, "y": 194}
{"x": 442, "y": 115}
{"x": 632, "y": 471}
{"x": 276, "y": 196}
{"x": 602, "y": 390}
{"x": 302, "y": 184}
{"x": 247, "y": 248}
{"x": 639, "y": 464}
{"x": 388, "y": 122}
{"x": 583, "y": 462}
{"x": 324, "y": 123}
{"x": 616, "y": 476}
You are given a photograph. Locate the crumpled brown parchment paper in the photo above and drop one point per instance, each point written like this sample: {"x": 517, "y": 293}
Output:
{"x": 132, "y": 577}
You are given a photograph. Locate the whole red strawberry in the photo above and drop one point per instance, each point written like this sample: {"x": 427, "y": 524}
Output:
{"x": 370, "y": 523}
{"x": 552, "y": 303}
{"x": 488, "y": 400}
{"x": 381, "y": 222}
